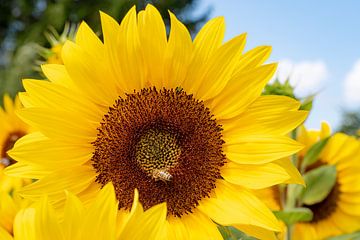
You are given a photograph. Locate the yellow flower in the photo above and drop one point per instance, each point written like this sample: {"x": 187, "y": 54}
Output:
{"x": 55, "y": 57}
{"x": 100, "y": 220}
{"x": 339, "y": 212}
{"x": 10, "y": 205}
{"x": 182, "y": 121}
{"x": 11, "y": 129}
{"x": 52, "y": 55}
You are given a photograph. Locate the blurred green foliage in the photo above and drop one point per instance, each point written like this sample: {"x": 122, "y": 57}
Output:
{"x": 278, "y": 88}
{"x": 23, "y": 23}
{"x": 350, "y": 123}
{"x": 286, "y": 89}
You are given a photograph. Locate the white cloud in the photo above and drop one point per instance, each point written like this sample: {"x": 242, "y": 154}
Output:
{"x": 308, "y": 77}
{"x": 352, "y": 86}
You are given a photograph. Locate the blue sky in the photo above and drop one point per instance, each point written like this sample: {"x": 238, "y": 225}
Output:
{"x": 319, "y": 39}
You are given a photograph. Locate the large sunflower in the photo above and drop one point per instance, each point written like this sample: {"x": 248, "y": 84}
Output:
{"x": 100, "y": 220}
{"x": 339, "y": 212}
{"x": 182, "y": 121}
{"x": 11, "y": 129}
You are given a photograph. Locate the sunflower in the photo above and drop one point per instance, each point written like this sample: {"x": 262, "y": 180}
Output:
{"x": 339, "y": 212}
{"x": 52, "y": 55}
{"x": 182, "y": 121}
{"x": 100, "y": 220}
{"x": 11, "y": 129}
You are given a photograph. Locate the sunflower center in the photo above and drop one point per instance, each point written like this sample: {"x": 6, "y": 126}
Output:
{"x": 156, "y": 152}
{"x": 164, "y": 143}
{"x": 8, "y": 144}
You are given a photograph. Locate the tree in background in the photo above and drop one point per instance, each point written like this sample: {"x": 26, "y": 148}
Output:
{"x": 23, "y": 23}
{"x": 350, "y": 122}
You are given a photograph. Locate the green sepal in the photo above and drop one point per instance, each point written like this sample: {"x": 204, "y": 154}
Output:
{"x": 307, "y": 103}
{"x": 319, "y": 183}
{"x": 231, "y": 233}
{"x": 313, "y": 153}
{"x": 294, "y": 215}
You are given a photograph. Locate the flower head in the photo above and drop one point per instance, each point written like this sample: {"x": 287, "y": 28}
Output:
{"x": 337, "y": 213}
{"x": 182, "y": 121}
{"x": 52, "y": 55}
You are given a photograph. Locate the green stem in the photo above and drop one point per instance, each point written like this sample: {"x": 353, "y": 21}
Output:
{"x": 289, "y": 232}
{"x": 294, "y": 157}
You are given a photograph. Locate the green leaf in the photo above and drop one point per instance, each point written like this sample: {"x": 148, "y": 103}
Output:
{"x": 307, "y": 103}
{"x": 294, "y": 215}
{"x": 231, "y": 233}
{"x": 313, "y": 153}
{"x": 319, "y": 183}
{"x": 351, "y": 236}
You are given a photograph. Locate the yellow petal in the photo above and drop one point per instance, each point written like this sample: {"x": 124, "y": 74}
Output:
{"x": 24, "y": 225}
{"x": 325, "y": 130}
{"x": 257, "y": 232}
{"x": 46, "y": 221}
{"x": 176, "y": 229}
{"x": 253, "y": 58}
{"x": 266, "y": 115}
{"x": 57, "y": 74}
{"x": 73, "y": 217}
{"x": 288, "y": 166}
{"x": 350, "y": 197}
{"x": 26, "y": 100}
{"x": 200, "y": 226}
{"x": 345, "y": 222}
{"x": 259, "y": 149}
{"x": 37, "y": 149}
{"x": 88, "y": 41}
{"x": 345, "y": 154}
{"x": 254, "y": 176}
{"x": 4, "y": 235}
{"x": 304, "y": 231}
{"x": 178, "y": 54}
{"x": 8, "y": 104}
{"x": 326, "y": 228}
{"x": 96, "y": 82}
{"x": 153, "y": 39}
{"x": 145, "y": 225}
{"x": 74, "y": 180}
{"x": 207, "y": 41}
{"x": 102, "y": 215}
{"x": 241, "y": 91}
{"x": 219, "y": 69}
{"x": 334, "y": 147}
{"x": 238, "y": 206}
{"x": 8, "y": 211}
{"x": 352, "y": 209}
{"x": 48, "y": 95}
{"x": 129, "y": 53}
{"x": 209, "y": 38}
{"x": 24, "y": 170}
{"x": 70, "y": 127}
{"x": 109, "y": 29}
